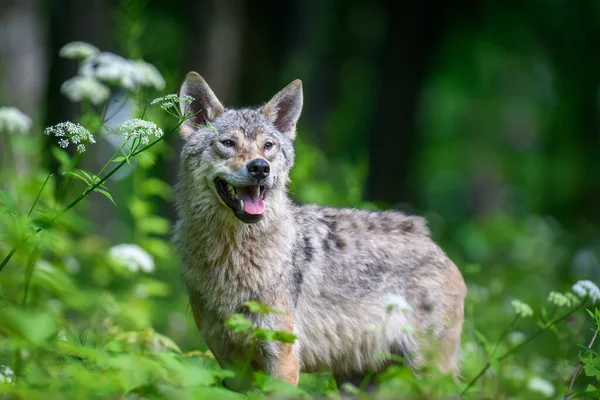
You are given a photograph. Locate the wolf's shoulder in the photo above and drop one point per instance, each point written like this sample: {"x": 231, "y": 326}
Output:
{"x": 352, "y": 219}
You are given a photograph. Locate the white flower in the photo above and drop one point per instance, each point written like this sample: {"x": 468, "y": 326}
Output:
{"x": 138, "y": 128}
{"x": 149, "y": 76}
{"x": 128, "y": 74}
{"x": 68, "y": 131}
{"x": 563, "y": 299}
{"x": 6, "y": 374}
{"x": 393, "y": 301}
{"x": 78, "y": 50}
{"x": 521, "y": 309}
{"x": 172, "y": 101}
{"x": 12, "y": 120}
{"x": 541, "y": 386}
{"x": 85, "y": 88}
{"x": 587, "y": 289}
{"x": 133, "y": 257}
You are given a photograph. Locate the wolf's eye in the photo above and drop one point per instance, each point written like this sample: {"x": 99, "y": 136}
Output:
{"x": 227, "y": 143}
{"x": 268, "y": 145}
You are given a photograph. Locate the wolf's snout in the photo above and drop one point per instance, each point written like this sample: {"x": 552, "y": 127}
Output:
{"x": 259, "y": 168}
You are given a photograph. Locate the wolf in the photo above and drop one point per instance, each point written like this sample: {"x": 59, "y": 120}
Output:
{"x": 350, "y": 284}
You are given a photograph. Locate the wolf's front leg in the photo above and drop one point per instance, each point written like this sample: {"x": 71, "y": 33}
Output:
{"x": 282, "y": 362}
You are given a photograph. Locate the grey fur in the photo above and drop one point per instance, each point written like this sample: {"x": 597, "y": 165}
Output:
{"x": 327, "y": 269}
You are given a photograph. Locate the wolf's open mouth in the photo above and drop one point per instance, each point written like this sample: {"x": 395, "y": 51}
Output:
{"x": 247, "y": 202}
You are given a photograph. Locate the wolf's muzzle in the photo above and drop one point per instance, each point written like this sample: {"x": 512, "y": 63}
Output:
{"x": 258, "y": 168}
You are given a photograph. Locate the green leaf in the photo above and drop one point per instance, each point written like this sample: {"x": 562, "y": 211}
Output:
{"x": 7, "y": 202}
{"x": 239, "y": 323}
{"x": 34, "y": 327}
{"x": 270, "y": 335}
{"x": 78, "y": 176}
{"x": 156, "y": 187}
{"x": 106, "y": 194}
{"x": 285, "y": 337}
{"x": 155, "y": 225}
{"x": 118, "y": 159}
{"x": 88, "y": 176}
{"x": 257, "y": 307}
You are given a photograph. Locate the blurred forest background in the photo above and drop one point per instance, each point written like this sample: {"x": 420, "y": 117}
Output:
{"x": 483, "y": 116}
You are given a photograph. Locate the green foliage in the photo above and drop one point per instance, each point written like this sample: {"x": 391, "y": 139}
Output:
{"x": 76, "y": 322}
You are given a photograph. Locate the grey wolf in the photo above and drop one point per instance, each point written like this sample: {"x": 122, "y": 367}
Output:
{"x": 328, "y": 271}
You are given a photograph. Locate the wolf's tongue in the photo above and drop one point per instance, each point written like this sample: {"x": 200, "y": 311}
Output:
{"x": 253, "y": 204}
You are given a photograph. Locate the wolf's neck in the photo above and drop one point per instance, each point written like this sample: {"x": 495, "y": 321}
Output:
{"x": 220, "y": 251}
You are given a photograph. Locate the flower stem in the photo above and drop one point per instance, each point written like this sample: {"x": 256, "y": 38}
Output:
{"x": 39, "y": 194}
{"x": 513, "y": 350}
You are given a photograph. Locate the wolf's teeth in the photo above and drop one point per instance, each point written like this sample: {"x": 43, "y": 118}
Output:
{"x": 241, "y": 204}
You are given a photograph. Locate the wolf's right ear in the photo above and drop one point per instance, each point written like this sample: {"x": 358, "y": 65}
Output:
{"x": 205, "y": 106}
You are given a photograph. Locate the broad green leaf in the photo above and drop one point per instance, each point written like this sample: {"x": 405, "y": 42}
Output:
{"x": 155, "y": 225}
{"x": 156, "y": 187}
{"x": 35, "y": 327}
{"x": 239, "y": 323}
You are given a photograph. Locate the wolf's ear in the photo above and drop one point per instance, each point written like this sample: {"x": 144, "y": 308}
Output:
{"x": 283, "y": 110}
{"x": 205, "y": 106}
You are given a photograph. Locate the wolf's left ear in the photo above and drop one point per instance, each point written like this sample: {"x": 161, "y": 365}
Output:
{"x": 205, "y": 106}
{"x": 283, "y": 110}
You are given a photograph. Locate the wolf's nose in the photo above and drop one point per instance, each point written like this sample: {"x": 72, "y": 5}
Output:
{"x": 259, "y": 168}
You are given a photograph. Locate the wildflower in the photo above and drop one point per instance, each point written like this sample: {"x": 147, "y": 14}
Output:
{"x": 78, "y": 50}
{"x": 138, "y": 128}
{"x": 12, "y": 120}
{"x": 85, "y": 88}
{"x": 541, "y": 386}
{"x": 521, "y": 309}
{"x": 172, "y": 101}
{"x": 393, "y": 301}
{"x": 149, "y": 76}
{"x": 563, "y": 299}
{"x": 128, "y": 74}
{"x": 587, "y": 289}
{"x": 68, "y": 131}
{"x": 7, "y": 375}
{"x": 133, "y": 257}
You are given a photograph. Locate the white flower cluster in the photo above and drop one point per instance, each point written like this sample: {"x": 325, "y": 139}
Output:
{"x": 66, "y": 131}
{"x": 133, "y": 257}
{"x": 173, "y": 101}
{"x": 78, "y": 50}
{"x": 100, "y": 68}
{"x": 396, "y": 302}
{"x": 541, "y": 386}
{"x": 116, "y": 70}
{"x": 12, "y": 120}
{"x": 587, "y": 289}
{"x": 85, "y": 88}
{"x": 138, "y": 128}
{"x": 6, "y": 374}
{"x": 563, "y": 299}
{"x": 522, "y": 309}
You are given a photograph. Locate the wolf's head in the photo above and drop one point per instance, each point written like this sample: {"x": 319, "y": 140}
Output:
{"x": 238, "y": 159}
